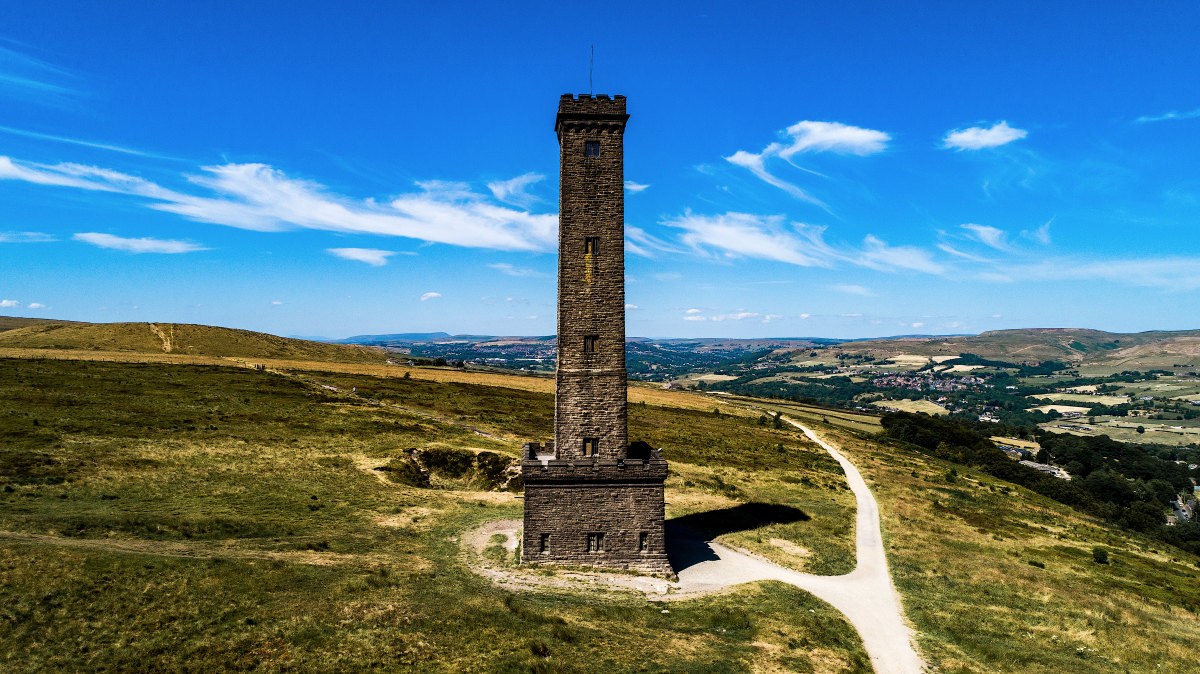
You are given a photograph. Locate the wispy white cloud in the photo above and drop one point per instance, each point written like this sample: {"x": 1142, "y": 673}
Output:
{"x": 987, "y": 235}
{"x": 978, "y": 138}
{"x": 809, "y": 136}
{"x": 36, "y": 305}
{"x": 769, "y": 237}
{"x": 1168, "y": 273}
{"x": 142, "y": 245}
{"x": 877, "y": 254}
{"x": 513, "y": 190}
{"x": 755, "y": 236}
{"x": 639, "y": 242}
{"x": 26, "y": 77}
{"x": 806, "y": 137}
{"x": 25, "y": 237}
{"x": 430, "y": 296}
{"x": 372, "y": 256}
{"x": 77, "y": 141}
{"x": 756, "y": 165}
{"x": 695, "y": 317}
{"x": 851, "y": 289}
{"x": 740, "y": 315}
{"x": 1041, "y": 234}
{"x": 947, "y": 248}
{"x": 9, "y": 304}
{"x": 630, "y": 307}
{"x": 276, "y": 303}
{"x": 918, "y": 324}
{"x": 509, "y": 269}
{"x": 1190, "y": 114}
{"x": 631, "y": 186}
{"x": 261, "y": 198}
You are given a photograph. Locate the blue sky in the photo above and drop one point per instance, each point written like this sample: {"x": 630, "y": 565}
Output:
{"x": 816, "y": 169}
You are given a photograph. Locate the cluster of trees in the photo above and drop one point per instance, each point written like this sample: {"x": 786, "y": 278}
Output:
{"x": 1118, "y": 482}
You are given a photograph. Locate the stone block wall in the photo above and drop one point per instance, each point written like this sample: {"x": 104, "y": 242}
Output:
{"x": 607, "y": 509}
{"x": 590, "y": 399}
{"x": 565, "y": 502}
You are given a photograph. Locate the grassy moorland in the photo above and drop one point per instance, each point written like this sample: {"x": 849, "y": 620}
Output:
{"x": 174, "y": 516}
{"x": 177, "y": 338}
{"x": 168, "y": 516}
{"x": 997, "y": 578}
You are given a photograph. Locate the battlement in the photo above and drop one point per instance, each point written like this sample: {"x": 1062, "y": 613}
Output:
{"x": 588, "y": 104}
{"x": 538, "y": 470}
{"x": 590, "y": 114}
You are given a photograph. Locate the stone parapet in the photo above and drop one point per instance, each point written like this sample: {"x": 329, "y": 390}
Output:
{"x": 608, "y": 471}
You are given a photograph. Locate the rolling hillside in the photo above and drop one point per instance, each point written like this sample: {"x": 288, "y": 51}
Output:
{"x": 266, "y": 519}
{"x": 1152, "y": 348}
{"x": 180, "y": 338}
{"x": 15, "y": 322}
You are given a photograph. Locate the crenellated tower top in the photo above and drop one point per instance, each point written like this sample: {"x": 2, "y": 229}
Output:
{"x": 585, "y": 112}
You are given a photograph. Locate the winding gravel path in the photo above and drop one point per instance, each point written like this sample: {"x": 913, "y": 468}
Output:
{"x": 865, "y": 596}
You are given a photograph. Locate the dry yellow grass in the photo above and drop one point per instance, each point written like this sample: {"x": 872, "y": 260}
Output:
{"x": 909, "y": 405}
{"x": 1061, "y": 409}
{"x": 1015, "y": 442}
{"x": 638, "y": 393}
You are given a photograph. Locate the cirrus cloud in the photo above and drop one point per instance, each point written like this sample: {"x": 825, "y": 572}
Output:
{"x": 978, "y": 138}
{"x": 261, "y": 198}
{"x": 372, "y": 256}
{"x": 142, "y": 245}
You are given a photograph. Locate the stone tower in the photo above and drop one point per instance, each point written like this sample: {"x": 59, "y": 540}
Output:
{"x": 590, "y": 499}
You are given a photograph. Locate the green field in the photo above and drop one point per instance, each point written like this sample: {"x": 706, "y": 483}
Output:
{"x": 171, "y": 516}
{"x": 205, "y": 518}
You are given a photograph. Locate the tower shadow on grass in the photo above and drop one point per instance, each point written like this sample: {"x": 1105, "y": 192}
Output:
{"x": 688, "y": 536}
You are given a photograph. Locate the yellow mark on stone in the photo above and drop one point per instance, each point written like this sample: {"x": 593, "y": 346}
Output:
{"x": 589, "y": 261}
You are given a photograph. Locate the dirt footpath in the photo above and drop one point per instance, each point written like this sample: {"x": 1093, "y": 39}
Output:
{"x": 865, "y": 596}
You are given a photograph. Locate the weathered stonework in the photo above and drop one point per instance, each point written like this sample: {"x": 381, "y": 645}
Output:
{"x": 587, "y": 500}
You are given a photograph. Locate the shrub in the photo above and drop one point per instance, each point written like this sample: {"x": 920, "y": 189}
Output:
{"x": 404, "y": 470}
{"x": 446, "y": 461}
{"x": 1100, "y": 555}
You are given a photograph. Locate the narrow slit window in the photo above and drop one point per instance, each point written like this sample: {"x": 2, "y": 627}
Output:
{"x": 643, "y": 542}
{"x": 591, "y": 148}
{"x": 591, "y": 446}
{"x": 595, "y": 542}
{"x": 589, "y": 343}
{"x": 544, "y": 543}
{"x": 590, "y": 245}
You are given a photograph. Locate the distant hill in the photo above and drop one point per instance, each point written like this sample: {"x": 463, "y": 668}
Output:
{"x": 396, "y": 337}
{"x": 14, "y": 322}
{"x": 1069, "y": 345}
{"x": 200, "y": 340}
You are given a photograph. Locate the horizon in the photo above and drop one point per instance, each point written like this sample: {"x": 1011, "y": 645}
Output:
{"x": 395, "y": 169}
{"x": 362, "y": 335}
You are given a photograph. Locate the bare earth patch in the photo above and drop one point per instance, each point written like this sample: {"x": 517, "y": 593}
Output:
{"x": 790, "y": 547}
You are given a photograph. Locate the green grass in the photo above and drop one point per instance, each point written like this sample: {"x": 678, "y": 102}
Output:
{"x": 199, "y": 517}
{"x": 178, "y": 338}
{"x": 997, "y": 578}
